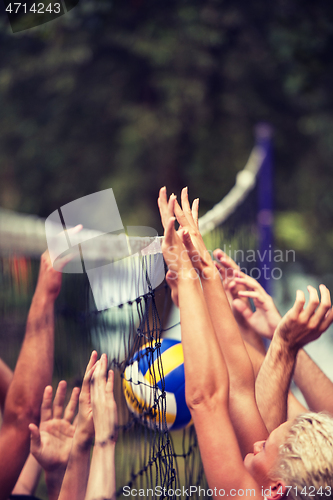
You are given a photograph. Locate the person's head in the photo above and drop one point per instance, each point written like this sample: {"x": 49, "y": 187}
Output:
{"x": 297, "y": 454}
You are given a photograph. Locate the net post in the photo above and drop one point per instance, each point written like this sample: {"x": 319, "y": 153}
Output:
{"x": 263, "y": 135}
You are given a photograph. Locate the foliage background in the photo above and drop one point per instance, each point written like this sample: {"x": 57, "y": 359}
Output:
{"x": 136, "y": 94}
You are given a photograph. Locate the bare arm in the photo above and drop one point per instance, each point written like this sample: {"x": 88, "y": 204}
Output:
{"x": 246, "y": 418}
{"x": 52, "y": 441}
{"x": 76, "y": 477}
{"x": 298, "y": 327}
{"x": 102, "y": 477}
{"x": 32, "y": 373}
{"x": 29, "y": 477}
{"x": 273, "y": 382}
{"x": 228, "y": 270}
{"x": 294, "y": 406}
{"x": 315, "y": 386}
{"x": 206, "y": 375}
{"x": 244, "y": 412}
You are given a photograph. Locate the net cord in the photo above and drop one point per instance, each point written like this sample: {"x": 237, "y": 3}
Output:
{"x": 25, "y": 234}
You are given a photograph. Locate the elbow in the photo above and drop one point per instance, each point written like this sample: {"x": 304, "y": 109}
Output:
{"x": 22, "y": 414}
{"x": 206, "y": 398}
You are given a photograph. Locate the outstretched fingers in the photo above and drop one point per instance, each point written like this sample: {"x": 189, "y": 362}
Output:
{"x": 188, "y": 243}
{"x": 162, "y": 202}
{"x": 101, "y": 369}
{"x": 195, "y": 212}
{"x": 89, "y": 372}
{"x": 299, "y": 303}
{"x": 323, "y": 314}
{"x": 186, "y": 207}
{"x": 187, "y": 217}
{"x": 110, "y": 383}
{"x": 59, "y": 399}
{"x": 248, "y": 281}
{"x": 91, "y": 364}
{"x": 46, "y": 408}
{"x": 256, "y": 296}
{"x": 312, "y": 304}
{"x": 169, "y": 233}
{"x": 327, "y": 321}
{"x": 225, "y": 260}
{"x": 72, "y": 405}
{"x": 180, "y": 216}
{"x": 318, "y": 313}
{"x": 98, "y": 383}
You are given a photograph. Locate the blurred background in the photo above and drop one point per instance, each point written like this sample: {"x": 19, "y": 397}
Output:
{"x": 137, "y": 94}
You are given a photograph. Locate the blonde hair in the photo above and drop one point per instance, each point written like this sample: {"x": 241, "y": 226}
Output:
{"x": 306, "y": 458}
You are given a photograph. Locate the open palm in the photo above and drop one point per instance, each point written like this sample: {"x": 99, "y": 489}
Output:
{"x": 51, "y": 443}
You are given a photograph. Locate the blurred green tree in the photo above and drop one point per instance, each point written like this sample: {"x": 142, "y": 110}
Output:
{"x": 135, "y": 94}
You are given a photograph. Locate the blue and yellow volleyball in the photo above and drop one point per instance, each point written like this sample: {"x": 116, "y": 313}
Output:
{"x": 154, "y": 386}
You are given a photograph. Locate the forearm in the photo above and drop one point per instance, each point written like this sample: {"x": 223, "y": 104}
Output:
{"x": 227, "y": 332}
{"x": 316, "y": 388}
{"x": 76, "y": 477}
{"x": 244, "y": 413}
{"x": 294, "y": 406}
{"x": 208, "y": 392}
{"x": 272, "y": 383}
{"x": 29, "y": 477}
{"x": 102, "y": 477}
{"x": 54, "y": 480}
{"x": 251, "y": 337}
{"x": 34, "y": 367}
{"x": 6, "y": 376}
{"x": 205, "y": 369}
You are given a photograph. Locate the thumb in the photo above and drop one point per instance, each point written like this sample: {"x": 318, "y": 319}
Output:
{"x": 35, "y": 441}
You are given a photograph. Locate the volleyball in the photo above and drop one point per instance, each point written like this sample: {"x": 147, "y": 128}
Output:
{"x": 154, "y": 385}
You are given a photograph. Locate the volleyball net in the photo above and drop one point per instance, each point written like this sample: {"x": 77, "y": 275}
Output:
{"x": 121, "y": 305}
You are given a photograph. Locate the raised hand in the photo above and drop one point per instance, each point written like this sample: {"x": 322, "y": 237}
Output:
{"x": 266, "y": 317}
{"x": 103, "y": 403}
{"x": 187, "y": 218}
{"x": 300, "y": 326}
{"x": 51, "y": 442}
{"x": 85, "y": 422}
{"x": 49, "y": 280}
{"x": 174, "y": 251}
{"x": 102, "y": 477}
{"x": 226, "y": 266}
{"x": 228, "y": 270}
{"x": 193, "y": 213}
{"x": 171, "y": 242}
{"x": 240, "y": 306}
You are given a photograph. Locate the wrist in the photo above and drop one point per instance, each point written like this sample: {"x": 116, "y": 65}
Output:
{"x": 54, "y": 474}
{"x": 187, "y": 274}
{"x": 106, "y": 442}
{"x": 283, "y": 348}
{"x": 210, "y": 272}
{"x": 83, "y": 439}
